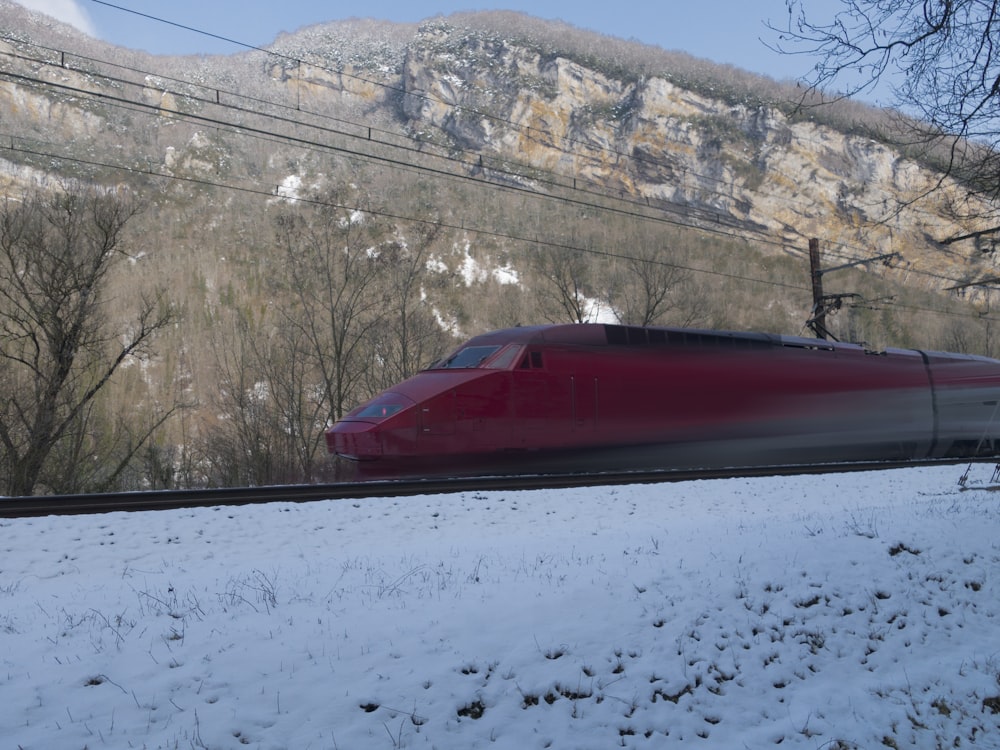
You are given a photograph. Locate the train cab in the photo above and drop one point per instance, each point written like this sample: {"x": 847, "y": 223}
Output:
{"x": 578, "y": 397}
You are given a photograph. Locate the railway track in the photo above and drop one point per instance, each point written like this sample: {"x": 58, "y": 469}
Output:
{"x": 45, "y": 505}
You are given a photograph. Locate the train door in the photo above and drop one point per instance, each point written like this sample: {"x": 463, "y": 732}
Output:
{"x": 533, "y": 399}
{"x": 584, "y": 393}
{"x": 550, "y": 400}
{"x": 437, "y": 416}
{"x": 530, "y": 397}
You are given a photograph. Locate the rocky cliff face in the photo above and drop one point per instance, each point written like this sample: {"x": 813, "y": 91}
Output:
{"x": 631, "y": 132}
{"x": 644, "y": 137}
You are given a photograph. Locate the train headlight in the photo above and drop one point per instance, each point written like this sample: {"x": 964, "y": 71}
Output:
{"x": 377, "y": 411}
{"x": 355, "y": 440}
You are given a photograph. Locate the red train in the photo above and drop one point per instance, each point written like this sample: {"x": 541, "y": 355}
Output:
{"x": 609, "y": 397}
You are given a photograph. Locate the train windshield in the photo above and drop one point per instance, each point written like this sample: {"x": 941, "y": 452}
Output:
{"x": 469, "y": 356}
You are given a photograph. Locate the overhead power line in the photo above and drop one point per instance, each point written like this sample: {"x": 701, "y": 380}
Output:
{"x": 544, "y": 137}
{"x": 509, "y": 236}
{"x": 537, "y": 176}
{"x": 243, "y": 129}
{"x": 364, "y": 132}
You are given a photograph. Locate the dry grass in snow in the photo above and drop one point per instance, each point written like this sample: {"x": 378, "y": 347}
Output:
{"x": 836, "y": 611}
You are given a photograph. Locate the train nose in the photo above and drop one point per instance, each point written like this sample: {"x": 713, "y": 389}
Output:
{"x": 355, "y": 440}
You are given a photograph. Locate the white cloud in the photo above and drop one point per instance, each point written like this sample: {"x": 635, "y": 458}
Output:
{"x": 67, "y": 11}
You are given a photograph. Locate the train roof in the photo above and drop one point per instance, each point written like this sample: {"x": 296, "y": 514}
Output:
{"x": 607, "y": 334}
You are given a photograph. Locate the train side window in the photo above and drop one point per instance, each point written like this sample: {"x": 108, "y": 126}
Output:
{"x": 617, "y": 335}
{"x": 532, "y": 361}
{"x": 636, "y": 336}
{"x": 504, "y": 359}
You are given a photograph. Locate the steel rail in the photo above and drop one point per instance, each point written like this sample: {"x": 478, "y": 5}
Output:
{"x": 46, "y": 505}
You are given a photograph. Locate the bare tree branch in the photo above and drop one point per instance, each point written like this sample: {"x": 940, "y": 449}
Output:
{"x": 940, "y": 60}
{"x": 57, "y": 351}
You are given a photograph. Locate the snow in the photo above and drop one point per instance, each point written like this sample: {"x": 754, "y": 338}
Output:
{"x": 596, "y": 311}
{"x": 290, "y": 188}
{"x": 506, "y": 275}
{"x": 473, "y": 272}
{"x": 436, "y": 265}
{"x": 833, "y": 611}
{"x": 470, "y": 270}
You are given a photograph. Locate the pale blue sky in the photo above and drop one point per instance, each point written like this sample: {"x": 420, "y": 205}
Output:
{"x": 723, "y": 31}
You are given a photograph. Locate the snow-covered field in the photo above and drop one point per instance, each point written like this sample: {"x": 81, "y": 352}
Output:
{"x": 837, "y": 611}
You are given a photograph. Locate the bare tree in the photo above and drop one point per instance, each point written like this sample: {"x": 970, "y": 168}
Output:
{"x": 408, "y": 336}
{"x": 58, "y": 349}
{"x": 253, "y": 441}
{"x": 328, "y": 289}
{"x": 566, "y": 275}
{"x": 644, "y": 288}
{"x": 939, "y": 59}
{"x": 343, "y": 315}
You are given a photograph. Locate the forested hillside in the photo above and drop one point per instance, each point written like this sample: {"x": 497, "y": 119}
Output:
{"x": 276, "y": 235}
